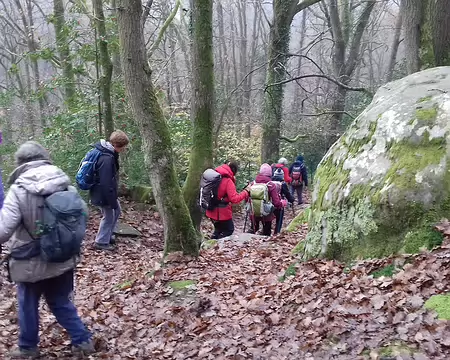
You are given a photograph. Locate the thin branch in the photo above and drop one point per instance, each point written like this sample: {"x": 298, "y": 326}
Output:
{"x": 293, "y": 140}
{"x": 146, "y": 12}
{"x": 306, "y": 57}
{"x": 329, "y": 78}
{"x": 302, "y": 5}
{"x": 164, "y": 28}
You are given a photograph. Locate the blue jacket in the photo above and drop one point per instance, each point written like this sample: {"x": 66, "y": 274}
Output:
{"x": 105, "y": 191}
{"x": 299, "y": 162}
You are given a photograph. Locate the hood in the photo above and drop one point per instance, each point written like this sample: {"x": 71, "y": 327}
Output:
{"x": 262, "y": 179}
{"x": 40, "y": 177}
{"x": 299, "y": 158}
{"x": 104, "y": 145}
{"x": 225, "y": 170}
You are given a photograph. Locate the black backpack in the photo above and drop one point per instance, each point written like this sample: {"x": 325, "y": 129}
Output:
{"x": 60, "y": 233}
{"x": 209, "y": 186}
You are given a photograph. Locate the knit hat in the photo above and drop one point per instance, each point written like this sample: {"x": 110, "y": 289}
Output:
{"x": 300, "y": 158}
{"x": 265, "y": 170}
{"x": 30, "y": 151}
{"x": 283, "y": 161}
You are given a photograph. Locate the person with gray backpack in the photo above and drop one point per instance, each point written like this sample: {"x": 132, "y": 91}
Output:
{"x": 43, "y": 222}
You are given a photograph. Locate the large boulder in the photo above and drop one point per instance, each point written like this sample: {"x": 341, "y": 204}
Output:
{"x": 386, "y": 181}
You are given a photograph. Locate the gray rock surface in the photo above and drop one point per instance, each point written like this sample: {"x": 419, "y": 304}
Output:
{"x": 381, "y": 186}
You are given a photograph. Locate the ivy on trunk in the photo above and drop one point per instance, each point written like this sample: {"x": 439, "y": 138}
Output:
{"x": 202, "y": 103}
{"x": 179, "y": 232}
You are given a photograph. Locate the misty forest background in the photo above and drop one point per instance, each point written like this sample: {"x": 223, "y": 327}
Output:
{"x": 253, "y": 80}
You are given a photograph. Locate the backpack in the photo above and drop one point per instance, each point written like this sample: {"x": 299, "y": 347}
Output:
{"x": 85, "y": 177}
{"x": 259, "y": 200}
{"x": 297, "y": 178}
{"x": 60, "y": 233}
{"x": 209, "y": 187}
{"x": 278, "y": 174}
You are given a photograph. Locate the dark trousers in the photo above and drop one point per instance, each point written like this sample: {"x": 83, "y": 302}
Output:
{"x": 57, "y": 292}
{"x": 299, "y": 191}
{"x": 267, "y": 227}
{"x": 279, "y": 214}
{"x": 222, "y": 228}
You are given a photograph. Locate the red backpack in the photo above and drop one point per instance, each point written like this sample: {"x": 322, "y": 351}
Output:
{"x": 297, "y": 178}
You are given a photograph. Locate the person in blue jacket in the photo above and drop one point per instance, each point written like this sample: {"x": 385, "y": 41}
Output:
{"x": 299, "y": 176}
{"x": 104, "y": 193}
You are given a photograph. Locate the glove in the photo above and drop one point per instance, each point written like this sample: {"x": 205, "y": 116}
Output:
{"x": 284, "y": 203}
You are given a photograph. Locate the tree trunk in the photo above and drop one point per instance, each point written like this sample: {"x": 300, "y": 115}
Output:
{"x": 395, "y": 45}
{"x": 412, "y": 23}
{"x": 298, "y": 92}
{"x": 202, "y": 103}
{"x": 62, "y": 44}
{"x": 283, "y": 14}
{"x": 179, "y": 234}
{"x": 273, "y": 99}
{"x": 107, "y": 67}
{"x": 440, "y": 27}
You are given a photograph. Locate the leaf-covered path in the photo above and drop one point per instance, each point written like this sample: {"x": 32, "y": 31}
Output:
{"x": 236, "y": 307}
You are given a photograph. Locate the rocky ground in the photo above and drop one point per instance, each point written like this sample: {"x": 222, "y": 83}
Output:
{"x": 244, "y": 300}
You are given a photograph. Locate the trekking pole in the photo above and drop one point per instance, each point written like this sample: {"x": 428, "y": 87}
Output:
{"x": 245, "y": 221}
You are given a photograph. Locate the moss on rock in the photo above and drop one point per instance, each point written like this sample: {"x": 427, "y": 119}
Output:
{"x": 142, "y": 193}
{"x": 300, "y": 219}
{"x": 381, "y": 187}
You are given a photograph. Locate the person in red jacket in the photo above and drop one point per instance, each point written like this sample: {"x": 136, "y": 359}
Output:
{"x": 265, "y": 177}
{"x": 283, "y": 164}
{"x": 222, "y": 216}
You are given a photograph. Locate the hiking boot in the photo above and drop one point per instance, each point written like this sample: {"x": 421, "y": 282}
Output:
{"x": 20, "y": 353}
{"x": 85, "y": 348}
{"x": 112, "y": 241}
{"x": 105, "y": 247}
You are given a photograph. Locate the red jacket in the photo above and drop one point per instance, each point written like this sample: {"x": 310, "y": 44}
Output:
{"x": 274, "y": 195}
{"x": 287, "y": 178}
{"x": 227, "y": 192}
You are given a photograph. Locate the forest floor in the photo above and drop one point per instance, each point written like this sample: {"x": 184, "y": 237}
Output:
{"x": 244, "y": 301}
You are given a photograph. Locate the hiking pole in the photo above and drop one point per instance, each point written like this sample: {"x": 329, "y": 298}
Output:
{"x": 245, "y": 221}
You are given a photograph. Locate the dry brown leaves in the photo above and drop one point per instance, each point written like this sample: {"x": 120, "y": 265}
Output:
{"x": 238, "y": 308}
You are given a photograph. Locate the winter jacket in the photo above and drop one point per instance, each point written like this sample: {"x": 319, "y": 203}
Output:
{"x": 227, "y": 192}
{"x": 287, "y": 178}
{"x": 274, "y": 196}
{"x": 303, "y": 170}
{"x": 22, "y": 209}
{"x": 105, "y": 190}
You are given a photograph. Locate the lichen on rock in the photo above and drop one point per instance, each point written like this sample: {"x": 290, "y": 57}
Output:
{"x": 383, "y": 184}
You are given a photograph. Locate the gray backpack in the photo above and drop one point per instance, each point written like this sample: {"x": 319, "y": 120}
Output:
{"x": 61, "y": 231}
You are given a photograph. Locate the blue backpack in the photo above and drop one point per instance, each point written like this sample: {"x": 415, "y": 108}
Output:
{"x": 85, "y": 177}
{"x": 60, "y": 233}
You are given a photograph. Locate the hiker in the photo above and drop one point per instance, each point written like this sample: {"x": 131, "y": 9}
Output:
{"x": 264, "y": 199}
{"x": 278, "y": 178}
{"x": 222, "y": 214}
{"x": 104, "y": 192}
{"x": 299, "y": 178}
{"x": 32, "y": 183}
{"x": 282, "y": 165}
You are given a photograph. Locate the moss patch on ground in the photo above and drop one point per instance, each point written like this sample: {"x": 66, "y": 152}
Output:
{"x": 440, "y": 304}
{"x": 181, "y": 284}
